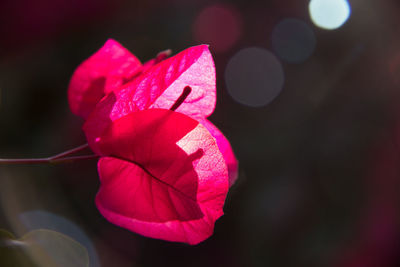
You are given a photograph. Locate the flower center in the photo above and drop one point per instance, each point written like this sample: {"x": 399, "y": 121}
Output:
{"x": 186, "y": 91}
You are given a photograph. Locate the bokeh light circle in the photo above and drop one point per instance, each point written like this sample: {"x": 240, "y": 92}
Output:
{"x": 329, "y": 14}
{"x": 293, "y": 40}
{"x": 41, "y": 219}
{"x": 220, "y": 26}
{"x": 254, "y": 77}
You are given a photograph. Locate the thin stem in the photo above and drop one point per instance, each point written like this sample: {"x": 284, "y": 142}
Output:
{"x": 24, "y": 161}
{"x": 71, "y": 159}
{"x": 47, "y": 160}
{"x": 69, "y": 152}
{"x": 58, "y": 158}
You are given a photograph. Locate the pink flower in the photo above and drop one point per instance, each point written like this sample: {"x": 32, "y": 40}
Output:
{"x": 165, "y": 169}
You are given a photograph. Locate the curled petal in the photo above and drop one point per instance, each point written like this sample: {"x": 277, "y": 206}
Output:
{"x": 163, "y": 177}
{"x": 105, "y": 71}
{"x": 226, "y": 150}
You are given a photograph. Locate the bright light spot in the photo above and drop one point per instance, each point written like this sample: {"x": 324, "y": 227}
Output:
{"x": 254, "y": 77}
{"x": 186, "y": 143}
{"x": 329, "y": 14}
{"x": 218, "y": 25}
{"x": 293, "y": 40}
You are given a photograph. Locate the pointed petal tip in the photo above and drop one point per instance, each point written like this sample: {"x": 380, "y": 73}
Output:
{"x": 111, "y": 41}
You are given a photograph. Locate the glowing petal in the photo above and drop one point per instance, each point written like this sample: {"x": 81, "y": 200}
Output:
{"x": 164, "y": 177}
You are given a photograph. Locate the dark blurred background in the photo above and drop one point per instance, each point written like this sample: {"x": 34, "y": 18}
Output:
{"x": 308, "y": 99}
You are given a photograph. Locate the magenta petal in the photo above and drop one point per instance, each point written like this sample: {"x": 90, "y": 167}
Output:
{"x": 160, "y": 87}
{"x": 226, "y": 150}
{"x": 200, "y": 76}
{"x": 106, "y": 70}
{"x": 164, "y": 176}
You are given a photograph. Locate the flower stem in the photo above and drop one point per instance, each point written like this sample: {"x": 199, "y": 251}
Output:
{"x": 58, "y": 158}
{"x": 71, "y": 151}
{"x": 71, "y": 159}
{"x": 24, "y": 161}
